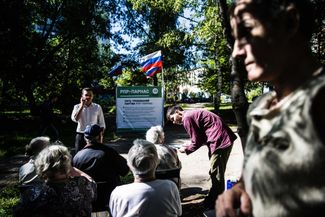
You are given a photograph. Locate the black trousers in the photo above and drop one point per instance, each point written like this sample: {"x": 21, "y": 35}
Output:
{"x": 79, "y": 142}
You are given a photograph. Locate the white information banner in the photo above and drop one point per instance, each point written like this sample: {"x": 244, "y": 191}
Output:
{"x": 138, "y": 108}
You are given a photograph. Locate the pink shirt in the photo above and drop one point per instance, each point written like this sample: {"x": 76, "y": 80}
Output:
{"x": 206, "y": 128}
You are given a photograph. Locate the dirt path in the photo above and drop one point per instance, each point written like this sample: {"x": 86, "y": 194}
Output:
{"x": 9, "y": 170}
{"x": 194, "y": 173}
{"x": 195, "y": 167}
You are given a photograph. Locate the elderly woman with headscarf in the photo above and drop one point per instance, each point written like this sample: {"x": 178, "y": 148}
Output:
{"x": 146, "y": 196}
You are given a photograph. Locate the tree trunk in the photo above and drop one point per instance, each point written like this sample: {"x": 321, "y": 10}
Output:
{"x": 216, "y": 103}
{"x": 239, "y": 101}
{"x": 31, "y": 101}
{"x": 216, "y": 97}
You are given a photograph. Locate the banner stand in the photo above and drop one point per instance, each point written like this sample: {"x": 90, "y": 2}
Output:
{"x": 138, "y": 108}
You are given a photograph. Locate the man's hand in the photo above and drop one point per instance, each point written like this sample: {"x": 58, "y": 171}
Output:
{"x": 233, "y": 199}
{"x": 77, "y": 114}
{"x": 182, "y": 149}
{"x": 82, "y": 101}
{"x": 101, "y": 138}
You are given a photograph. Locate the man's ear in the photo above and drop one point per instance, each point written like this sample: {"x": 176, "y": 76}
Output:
{"x": 292, "y": 20}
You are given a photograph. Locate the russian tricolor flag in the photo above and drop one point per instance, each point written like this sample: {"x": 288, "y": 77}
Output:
{"x": 152, "y": 63}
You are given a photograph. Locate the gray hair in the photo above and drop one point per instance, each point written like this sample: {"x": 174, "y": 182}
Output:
{"x": 143, "y": 158}
{"x": 155, "y": 135}
{"x": 55, "y": 159}
{"x": 36, "y": 145}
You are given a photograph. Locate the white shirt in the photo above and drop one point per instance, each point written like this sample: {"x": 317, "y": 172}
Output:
{"x": 92, "y": 114}
{"x": 158, "y": 198}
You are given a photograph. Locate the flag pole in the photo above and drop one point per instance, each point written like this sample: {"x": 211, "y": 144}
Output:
{"x": 162, "y": 77}
{"x": 164, "y": 95}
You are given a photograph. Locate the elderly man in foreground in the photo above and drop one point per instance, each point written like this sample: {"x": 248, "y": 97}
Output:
{"x": 146, "y": 196}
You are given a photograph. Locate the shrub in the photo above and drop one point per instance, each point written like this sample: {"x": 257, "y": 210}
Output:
{"x": 9, "y": 197}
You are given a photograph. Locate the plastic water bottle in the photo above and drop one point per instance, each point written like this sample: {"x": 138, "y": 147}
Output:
{"x": 231, "y": 182}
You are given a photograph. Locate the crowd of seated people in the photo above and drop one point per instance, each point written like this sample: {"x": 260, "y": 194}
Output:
{"x": 89, "y": 184}
{"x": 66, "y": 191}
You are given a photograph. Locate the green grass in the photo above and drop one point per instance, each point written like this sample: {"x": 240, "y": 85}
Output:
{"x": 127, "y": 179}
{"x": 9, "y": 197}
{"x": 223, "y": 106}
{"x": 15, "y": 113}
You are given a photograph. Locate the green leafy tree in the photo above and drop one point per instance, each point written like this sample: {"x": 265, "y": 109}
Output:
{"x": 174, "y": 78}
{"x": 50, "y": 46}
{"x": 155, "y": 22}
{"x": 209, "y": 39}
{"x": 132, "y": 78}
